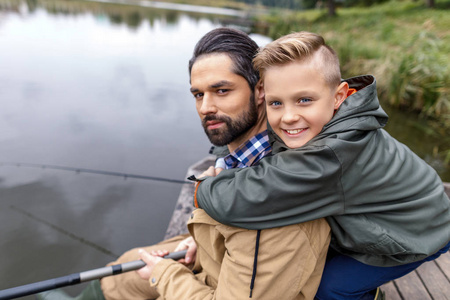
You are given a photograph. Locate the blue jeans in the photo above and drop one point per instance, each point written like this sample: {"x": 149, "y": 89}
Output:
{"x": 346, "y": 278}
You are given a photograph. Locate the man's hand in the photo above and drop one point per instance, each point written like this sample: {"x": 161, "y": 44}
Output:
{"x": 151, "y": 261}
{"x": 191, "y": 253}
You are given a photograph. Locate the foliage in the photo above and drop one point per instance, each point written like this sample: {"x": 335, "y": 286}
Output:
{"x": 308, "y": 4}
{"x": 404, "y": 44}
{"x": 422, "y": 78}
{"x": 366, "y": 3}
{"x": 288, "y": 4}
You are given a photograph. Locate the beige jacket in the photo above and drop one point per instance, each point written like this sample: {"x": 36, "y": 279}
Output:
{"x": 290, "y": 262}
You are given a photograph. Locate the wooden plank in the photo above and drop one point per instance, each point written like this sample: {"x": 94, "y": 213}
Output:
{"x": 411, "y": 287}
{"x": 390, "y": 291}
{"x": 435, "y": 281}
{"x": 444, "y": 264}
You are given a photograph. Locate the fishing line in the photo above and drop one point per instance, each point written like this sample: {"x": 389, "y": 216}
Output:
{"x": 64, "y": 232}
{"x": 92, "y": 171}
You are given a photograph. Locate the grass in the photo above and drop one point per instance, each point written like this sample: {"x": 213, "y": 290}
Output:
{"x": 405, "y": 45}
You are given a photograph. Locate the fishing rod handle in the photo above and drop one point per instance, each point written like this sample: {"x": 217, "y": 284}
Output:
{"x": 76, "y": 278}
{"x": 122, "y": 268}
{"x": 176, "y": 255}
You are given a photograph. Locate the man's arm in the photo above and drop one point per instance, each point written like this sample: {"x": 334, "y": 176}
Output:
{"x": 173, "y": 280}
{"x": 284, "y": 189}
{"x": 290, "y": 260}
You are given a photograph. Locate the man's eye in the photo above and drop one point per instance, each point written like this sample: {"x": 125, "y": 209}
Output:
{"x": 222, "y": 91}
{"x": 198, "y": 95}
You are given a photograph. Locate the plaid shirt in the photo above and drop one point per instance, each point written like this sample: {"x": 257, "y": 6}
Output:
{"x": 257, "y": 147}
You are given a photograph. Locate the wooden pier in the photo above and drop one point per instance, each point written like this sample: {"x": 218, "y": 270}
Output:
{"x": 431, "y": 281}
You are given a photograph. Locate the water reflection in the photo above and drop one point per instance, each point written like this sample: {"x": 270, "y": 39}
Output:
{"x": 422, "y": 137}
{"x": 99, "y": 86}
{"x": 131, "y": 13}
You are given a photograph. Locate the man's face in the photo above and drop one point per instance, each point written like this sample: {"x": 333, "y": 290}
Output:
{"x": 224, "y": 100}
{"x": 299, "y": 102}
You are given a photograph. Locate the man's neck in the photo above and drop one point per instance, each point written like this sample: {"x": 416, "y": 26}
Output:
{"x": 259, "y": 127}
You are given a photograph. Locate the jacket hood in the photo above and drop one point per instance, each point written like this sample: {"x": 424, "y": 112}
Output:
{"x": 362, "y": 105}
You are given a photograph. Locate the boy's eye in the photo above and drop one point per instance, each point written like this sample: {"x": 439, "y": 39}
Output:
{"x": 274, "y": 103}
{"x": 304, "y": 100}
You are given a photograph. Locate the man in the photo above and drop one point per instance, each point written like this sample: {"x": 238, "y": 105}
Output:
{"x": 225, "y": 87}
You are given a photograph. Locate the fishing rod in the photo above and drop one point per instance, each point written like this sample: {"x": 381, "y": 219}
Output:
{"x": 92, "y": 171}
{"x": 76, "y": 278}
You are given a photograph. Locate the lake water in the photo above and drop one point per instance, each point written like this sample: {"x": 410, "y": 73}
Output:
{"x": 98, "y": 86}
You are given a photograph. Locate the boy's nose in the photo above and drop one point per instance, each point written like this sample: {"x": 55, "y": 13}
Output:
{"x": 290, "y": 117}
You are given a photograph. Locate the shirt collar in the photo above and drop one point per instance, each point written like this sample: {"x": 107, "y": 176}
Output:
{"x": 245, "y": 154}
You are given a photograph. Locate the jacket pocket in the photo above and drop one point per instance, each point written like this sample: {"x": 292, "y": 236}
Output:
{"x": 385, "y": 246}
{"x": 363, "y": 235}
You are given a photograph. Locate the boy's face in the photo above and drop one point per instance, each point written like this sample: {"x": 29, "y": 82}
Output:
{"x": 299, "y": 101}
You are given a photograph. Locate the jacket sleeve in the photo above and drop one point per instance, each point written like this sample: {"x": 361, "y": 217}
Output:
{"x": 174, "y": 281}
{"x": 284, "y": 189}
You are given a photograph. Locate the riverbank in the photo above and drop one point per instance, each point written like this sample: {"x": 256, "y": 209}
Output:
{"x": 403, "y": 43}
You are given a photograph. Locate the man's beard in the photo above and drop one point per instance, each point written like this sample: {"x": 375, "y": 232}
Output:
{"x": 232, "y": 129}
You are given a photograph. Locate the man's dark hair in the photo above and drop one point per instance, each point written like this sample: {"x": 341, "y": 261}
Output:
{"x": 236, "y": 44}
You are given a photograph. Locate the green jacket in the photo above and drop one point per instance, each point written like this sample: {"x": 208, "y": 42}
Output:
{"x": 384, "y": 204}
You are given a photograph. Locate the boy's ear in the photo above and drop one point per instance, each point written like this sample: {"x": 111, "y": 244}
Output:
{"x": 259, "y": 93}
{"x": 341, "y": 94}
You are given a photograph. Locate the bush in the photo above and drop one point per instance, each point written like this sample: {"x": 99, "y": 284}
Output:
{"x": 422, "y": 79}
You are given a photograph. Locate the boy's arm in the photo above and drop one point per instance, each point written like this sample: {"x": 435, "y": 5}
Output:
{"x": 284, "y": 189}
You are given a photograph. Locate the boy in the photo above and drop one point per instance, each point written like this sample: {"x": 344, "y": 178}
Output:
{"x": 386, "y": 207}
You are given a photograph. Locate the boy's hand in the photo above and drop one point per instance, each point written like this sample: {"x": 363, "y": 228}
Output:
{"x": 211, "y": 172}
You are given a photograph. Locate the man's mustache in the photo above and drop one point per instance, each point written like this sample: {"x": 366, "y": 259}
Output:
{"x": 217, "y": 118}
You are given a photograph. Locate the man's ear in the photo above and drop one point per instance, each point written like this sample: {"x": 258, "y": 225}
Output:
{"x": 259, "y": 93}
{"x": 340, "y": 95}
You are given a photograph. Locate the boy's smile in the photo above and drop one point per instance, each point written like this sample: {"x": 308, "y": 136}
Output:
{"x": 293, "y": 132}
{"x": 299, "y": 101}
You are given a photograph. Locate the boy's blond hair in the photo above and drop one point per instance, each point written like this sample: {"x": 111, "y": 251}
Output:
{"x": 300, "y": 46}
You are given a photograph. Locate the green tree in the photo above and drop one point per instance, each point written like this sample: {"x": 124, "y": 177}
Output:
{"x": 430, "y": 3}
{"x": 331, "y": 8}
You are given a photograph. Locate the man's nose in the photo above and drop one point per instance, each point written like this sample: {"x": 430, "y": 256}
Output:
{"x": 208, "y": 105}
